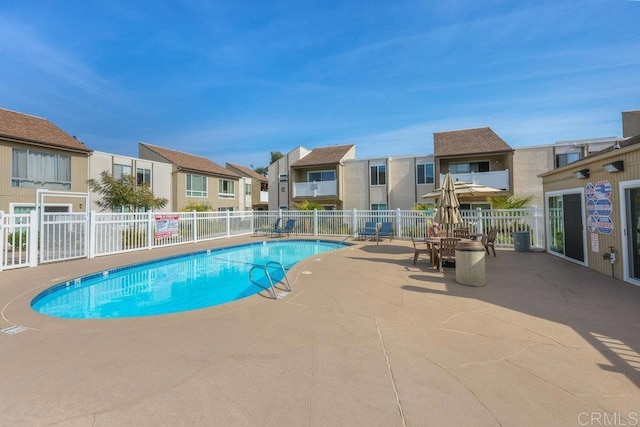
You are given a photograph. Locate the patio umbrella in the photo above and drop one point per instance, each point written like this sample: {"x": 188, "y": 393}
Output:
{"x": 448, "y": 212}
{"x": 465, "y": 189}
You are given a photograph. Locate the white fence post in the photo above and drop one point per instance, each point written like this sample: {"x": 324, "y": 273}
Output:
{"x": 195, "y": 226}
{"x": 228, "y": 224}
{"x": 398, "y": 223}
{"x": 354, "y": 221}
{"x": 34, "y": 229}
{"x": 480, "y": 225}
{"x": 3, "y": 239}
{"x": 150, "y": 230}
{"x": 92, "y": 234}
{"x": 315, "y": 222}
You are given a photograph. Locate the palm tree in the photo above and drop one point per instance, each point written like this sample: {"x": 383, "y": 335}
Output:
{"x": 509, "y": 202}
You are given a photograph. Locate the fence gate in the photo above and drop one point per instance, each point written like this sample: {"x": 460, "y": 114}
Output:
{"x": 62, "y": 235}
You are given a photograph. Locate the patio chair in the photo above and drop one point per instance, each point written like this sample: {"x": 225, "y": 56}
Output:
{"x": 288, "y": 228}
{"x": 368, "y": 231}
{"x": 447, "y": 251}
{"x": 461, "y": 232}
{"x": 265, "y": 229}
{"x": 386, "y": 230}
{"x": 488, "y": 240}
{"x": 418, "y": 251}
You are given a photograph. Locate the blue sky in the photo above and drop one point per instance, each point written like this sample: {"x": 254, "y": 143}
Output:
{"x": 234, "y": 80}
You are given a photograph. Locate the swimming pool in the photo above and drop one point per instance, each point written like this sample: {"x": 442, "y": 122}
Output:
{"x": 181, "y": 283}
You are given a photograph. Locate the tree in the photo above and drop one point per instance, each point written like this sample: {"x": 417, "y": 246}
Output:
{"x": 261, "y": 170}
{"x": 124, "y": 192}
{"x": 275, "y": 156}
{"x": 509, "y": 202}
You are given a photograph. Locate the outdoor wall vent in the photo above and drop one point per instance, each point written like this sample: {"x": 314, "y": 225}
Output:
{"x": 283, "y": 177}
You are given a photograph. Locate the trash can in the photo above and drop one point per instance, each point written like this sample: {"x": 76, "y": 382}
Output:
{"x": 470, "y": 269}
{"x": 522, "y": 241}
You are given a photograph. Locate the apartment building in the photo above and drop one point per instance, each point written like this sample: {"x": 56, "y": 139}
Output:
{"x": 304, "y": 174}
{"x": 196, "y": 179}
{"x": 157, "y": 175}
{"x": 256, "y": 188}
{"x": 37, "y": 154}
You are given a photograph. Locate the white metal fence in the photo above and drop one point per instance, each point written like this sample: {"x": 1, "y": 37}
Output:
{"x": 68, "y": 236}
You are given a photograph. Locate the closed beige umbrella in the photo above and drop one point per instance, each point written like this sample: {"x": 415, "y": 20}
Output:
{"x": 448, "y": 205}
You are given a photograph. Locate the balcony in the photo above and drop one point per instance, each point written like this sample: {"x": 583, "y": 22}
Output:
{"x": 494, "y": 179}
{"x": 315, "y": 189}
{"x": 264, "y": 197}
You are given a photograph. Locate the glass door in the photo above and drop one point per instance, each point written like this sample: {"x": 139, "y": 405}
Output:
{"x": 632, "y": 199}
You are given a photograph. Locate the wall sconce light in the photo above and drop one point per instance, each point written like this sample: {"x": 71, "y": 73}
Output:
{"x": 582, "y": 174}
{"x": 81, "y": 206}
{"x": 617, "y": 166}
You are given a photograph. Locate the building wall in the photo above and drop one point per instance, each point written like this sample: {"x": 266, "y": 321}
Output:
{"x": 356, "y": 180}
{"x": 214, "y": 201}
{"x": 280, "y": 192}
{"x": 564, "y": 179}
{"x": 20, "y": 195}
{"x": 160, "y": 174}
{"x": 630, "y": 123}
{"x": 528, "y": 163}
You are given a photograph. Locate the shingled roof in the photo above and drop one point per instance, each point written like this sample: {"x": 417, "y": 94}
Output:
{"x": 323, "y": 156}
{"x": 190, "y": 162}
{"x": 468, "y": 141}
{"x": 36, "y": 130}
{"x": 246, "y": 171}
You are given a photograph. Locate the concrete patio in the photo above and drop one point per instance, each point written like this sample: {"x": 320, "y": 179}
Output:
{"x": 366, "y": 338}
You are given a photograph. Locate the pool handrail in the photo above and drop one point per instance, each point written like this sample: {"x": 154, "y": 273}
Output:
{"x": 265, "y": 268}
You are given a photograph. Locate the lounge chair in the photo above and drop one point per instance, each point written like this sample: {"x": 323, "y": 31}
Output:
{"x": 386, "y": 230}
{"x": 265, "y": 229}
{"x": 368, "y": 231}
{"x": 288, "y": 228}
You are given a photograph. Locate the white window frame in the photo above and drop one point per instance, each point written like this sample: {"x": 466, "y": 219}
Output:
{"x": 223, "y": 192}
{"x": 120, "y": 170}
{"x": 248, "y": 189}
{"x": 425, "y": 175}
{"x": 309, "y": 173}
{"x": 144, "y": 170}
{"x": 38, "y": 181}
{"x": 377, "y": 175}
{"x": 196, "y": 193}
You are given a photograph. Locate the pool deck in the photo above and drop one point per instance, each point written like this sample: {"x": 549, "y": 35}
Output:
{"x": 366, "y": 338}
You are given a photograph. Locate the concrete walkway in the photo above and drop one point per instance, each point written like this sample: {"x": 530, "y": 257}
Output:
{"x": 366, "y": 338}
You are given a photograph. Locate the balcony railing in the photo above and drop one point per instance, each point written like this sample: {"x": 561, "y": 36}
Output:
{"x": 494, "y": 179}
{"x": 315, "y": 189}
{"x": 264, "y": 197}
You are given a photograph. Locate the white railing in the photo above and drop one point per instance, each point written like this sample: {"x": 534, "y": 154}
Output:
{"x": 494, "y": 179}
{"x": 112, "y": 233}
{"x": 62, "y": 236}
{"x": 264, "y": 197}
{"x": 15, "y": 232}
{"x": 314, "y": 189}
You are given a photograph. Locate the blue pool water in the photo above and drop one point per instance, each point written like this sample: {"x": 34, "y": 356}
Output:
{"x": 170, "y": 285}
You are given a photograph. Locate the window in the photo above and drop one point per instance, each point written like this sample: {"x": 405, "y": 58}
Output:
{"x": 566, "y": 158}
{"x": 120, "y": 170}
{"x": 469, "y": 167}
{"x": 40, "y": 170}
{"x": 229, "y": 209}
{"x": 321, "y": 176}
{"x": 247, "y": 189}
{"x": 378, "y": 206}
{"x": 378, "y": 175}
{"x": 196, "y": 186}
{"x": 225, "y": 188}
{"x": 143, "y": 176}
{"x": 424, "y": 173}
